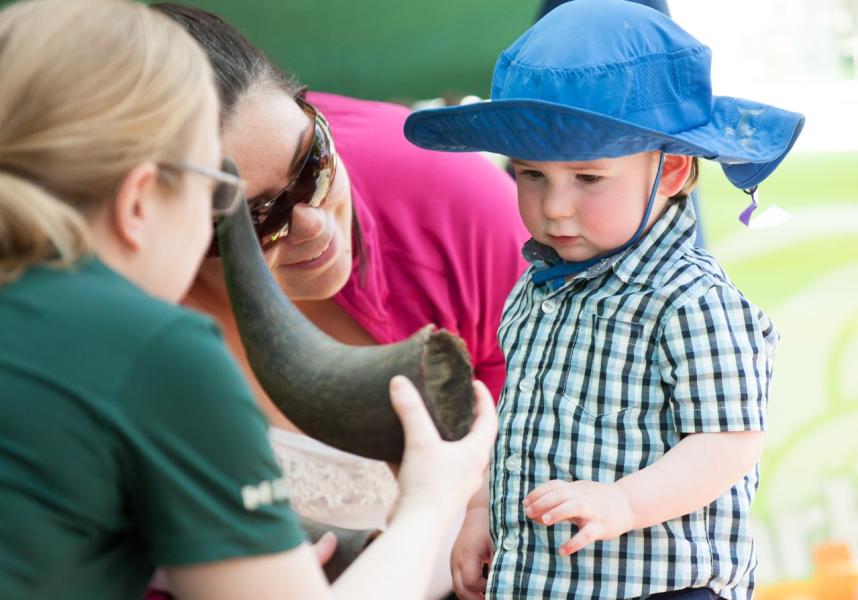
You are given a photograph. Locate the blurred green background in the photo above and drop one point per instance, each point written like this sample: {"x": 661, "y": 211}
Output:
{"x": 804, "y": 274}
{"x": 384, "y": 49}
{"x": 400, "y": 50}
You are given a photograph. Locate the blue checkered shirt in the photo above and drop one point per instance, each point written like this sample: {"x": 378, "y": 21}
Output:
{"x": 606, "y": 373}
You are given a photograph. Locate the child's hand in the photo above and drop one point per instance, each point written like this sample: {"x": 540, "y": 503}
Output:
{"x": 600, "y": 510}
{"x": 472, "y": 550}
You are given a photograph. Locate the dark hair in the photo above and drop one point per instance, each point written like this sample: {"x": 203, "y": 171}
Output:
{"x": 239, "y": 65}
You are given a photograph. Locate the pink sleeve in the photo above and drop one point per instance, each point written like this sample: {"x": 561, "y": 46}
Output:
{"x": 493, "y": 375}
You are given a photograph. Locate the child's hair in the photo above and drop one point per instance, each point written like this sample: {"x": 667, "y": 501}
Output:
{"x": 88, "y": 90}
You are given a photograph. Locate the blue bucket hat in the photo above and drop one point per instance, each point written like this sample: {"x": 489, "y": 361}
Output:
{"x": 608, "y": 78}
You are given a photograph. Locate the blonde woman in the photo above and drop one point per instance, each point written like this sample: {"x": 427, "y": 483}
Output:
{"x": 128, "y": 437}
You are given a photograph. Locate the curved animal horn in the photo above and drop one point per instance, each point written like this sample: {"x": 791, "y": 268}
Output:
{"x": 335, "y": 393}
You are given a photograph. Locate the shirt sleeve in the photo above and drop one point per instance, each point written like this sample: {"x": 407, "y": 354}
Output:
{"x": 202, "y": 481}
{"x": 716, "y": 354}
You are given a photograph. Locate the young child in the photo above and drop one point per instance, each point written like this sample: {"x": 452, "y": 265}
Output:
{"x": 635, "y": 400}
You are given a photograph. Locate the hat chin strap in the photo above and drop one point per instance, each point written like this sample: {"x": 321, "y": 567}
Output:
{"x": 556, "y": 274}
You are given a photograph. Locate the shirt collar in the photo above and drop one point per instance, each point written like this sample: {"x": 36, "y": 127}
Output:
{"x": 674, "y": 233}
{"x": 675, "y": 229}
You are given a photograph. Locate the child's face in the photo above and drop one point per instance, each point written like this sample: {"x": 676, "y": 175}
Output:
{"x": 585, "y": 209}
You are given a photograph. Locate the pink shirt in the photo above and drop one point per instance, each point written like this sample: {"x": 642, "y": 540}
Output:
{"x": 442, "y": 237}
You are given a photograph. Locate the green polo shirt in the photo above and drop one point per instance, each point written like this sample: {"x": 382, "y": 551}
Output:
{"x": 128, "y": 439}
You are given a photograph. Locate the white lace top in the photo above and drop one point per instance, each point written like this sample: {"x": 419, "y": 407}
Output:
{"x": 332, "y": 486}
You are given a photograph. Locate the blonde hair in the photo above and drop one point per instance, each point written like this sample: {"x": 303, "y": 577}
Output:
{"x": 88, "y": 90}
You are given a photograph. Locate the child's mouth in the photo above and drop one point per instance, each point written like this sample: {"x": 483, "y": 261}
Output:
{"x": 563, "y": 240}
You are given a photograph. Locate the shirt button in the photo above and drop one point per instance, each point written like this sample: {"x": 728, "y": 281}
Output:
{"x": 509, "y": 543}
{"x": 549, "y": 306}
{"x": 525, "y": 385}
{"x": 513, "y": 463}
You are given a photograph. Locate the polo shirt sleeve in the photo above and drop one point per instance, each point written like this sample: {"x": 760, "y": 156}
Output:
{"x": 716, "y": 353}
{"x": 202, "y": 481}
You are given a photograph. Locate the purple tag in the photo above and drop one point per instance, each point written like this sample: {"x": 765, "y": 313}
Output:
{"x": 745, "y": 217}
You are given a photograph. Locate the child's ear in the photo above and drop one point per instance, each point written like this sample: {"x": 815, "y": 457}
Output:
{"x": 674, "y": 174}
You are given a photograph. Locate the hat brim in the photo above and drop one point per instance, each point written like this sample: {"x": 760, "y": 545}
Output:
{"x": 748, "y": 138}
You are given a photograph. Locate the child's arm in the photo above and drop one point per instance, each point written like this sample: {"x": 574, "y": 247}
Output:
{"x": 473, "y": 547}
{"x": 715, "y": 354}
{"x": 689, "y": 476}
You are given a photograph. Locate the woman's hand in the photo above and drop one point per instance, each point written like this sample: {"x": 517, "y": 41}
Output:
{"x": 436, "y": 475}
{"x": 601, "y": 511}
{"x": 471, "y": 552}
{"x": 325, "y": 547}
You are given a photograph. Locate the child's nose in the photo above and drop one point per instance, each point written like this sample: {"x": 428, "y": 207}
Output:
{"x": 558, "y": 205}
{"x": 308, "y": 223}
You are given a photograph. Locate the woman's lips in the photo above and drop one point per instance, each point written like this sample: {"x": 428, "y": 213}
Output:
{"x": 320, "y": 261}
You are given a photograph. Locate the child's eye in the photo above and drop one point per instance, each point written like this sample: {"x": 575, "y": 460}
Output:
{"x": 530, "y": 174}
{"x": 588, "y": 178}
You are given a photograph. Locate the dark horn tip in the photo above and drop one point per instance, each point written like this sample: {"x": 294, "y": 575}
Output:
{"x": 448, "y": 388}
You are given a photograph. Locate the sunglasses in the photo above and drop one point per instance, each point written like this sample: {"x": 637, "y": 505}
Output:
{"x": 229, "y": 191}
{"x": 272, "y": 217}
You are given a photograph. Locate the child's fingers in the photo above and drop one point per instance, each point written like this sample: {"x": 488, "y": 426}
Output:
{"x": 457, "y": 580}
{"x": 462, "y": 589}
{"x": 573, "y": 509}
{"x": 588, "y": 534}
{"x": 464, "y": 594}
{"x": 545, "y": 488}
{"x": 416, "y": 422}
{"x": 544, "y": 503}
{"x": 458, "y": 586}
{"x": 472, "y": 575}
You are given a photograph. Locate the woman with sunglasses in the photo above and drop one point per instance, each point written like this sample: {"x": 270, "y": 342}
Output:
{"x": 128, "y": 435}
{"x": 369, "y": 236}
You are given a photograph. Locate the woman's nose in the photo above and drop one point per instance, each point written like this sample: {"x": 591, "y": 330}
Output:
{"x": 308, "y": 223}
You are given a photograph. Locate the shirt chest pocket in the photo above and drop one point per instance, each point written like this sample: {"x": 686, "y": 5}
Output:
{"x": 609, "y": 362}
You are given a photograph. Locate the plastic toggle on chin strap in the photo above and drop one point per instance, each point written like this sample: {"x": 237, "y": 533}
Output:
{"x": 773, "y": 216}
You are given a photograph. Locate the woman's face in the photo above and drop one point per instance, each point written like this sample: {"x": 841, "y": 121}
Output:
{"x": 267, "y": 135}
